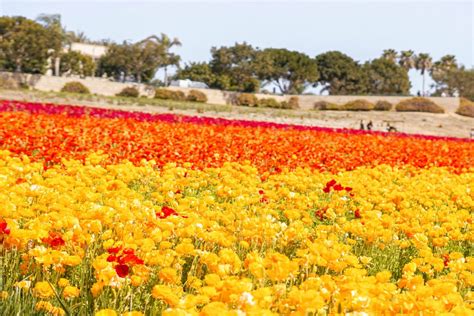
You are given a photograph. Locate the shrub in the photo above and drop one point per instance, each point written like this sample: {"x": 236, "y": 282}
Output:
{"x": 75, "y": 87}
{"x": 269, "y": 103}
{"x": 466, "y": 108}
{"x": 166, "y": 94}
{"x": 327, "y": 106}
{"x": 197, "y": 96}
{"x": 129, "y": 92}
{"x": 292, "y": 103}
{"x": 383, "y": 106}
{"x": 418, "y": 104}
{"x": 358, "y": 105}
{"x": 247, "y": 99}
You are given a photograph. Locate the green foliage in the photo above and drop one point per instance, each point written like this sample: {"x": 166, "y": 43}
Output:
{"x": 166, "y": 94}
{"x": 382, "y": 105}
{"x": 327, "y": 106}
{"x": 24, "y": 45}
{"x": 358, "y": 105}
{"x": 290, "y": 71}
{"x": 129, "y": 92}
{"x": 418, "y": 105}
{"x": 196, "y": 96}
{"x": 233, "y": 68}
{"x": 466, "y": 108}
{"x": 75, "y": 87}
{"x": 269, "y": 103}
{"x": 339, "y": 74}
{"x": 75, "y": 63}
{"x": 246, "y": 99}
{"x": 197, "y": 72}
{"x": 454, "y": 80}
{"x": 292, "y": 103}
{"x": 385, "y": 77}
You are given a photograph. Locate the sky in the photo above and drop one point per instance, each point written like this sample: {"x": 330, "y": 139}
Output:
{"x": 361, "y": 29}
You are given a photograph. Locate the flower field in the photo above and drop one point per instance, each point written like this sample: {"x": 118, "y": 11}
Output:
{"x": 107, "y": 212}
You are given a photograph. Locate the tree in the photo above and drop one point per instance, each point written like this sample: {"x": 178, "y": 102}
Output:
{"x": 234, "y": 68}
{"x": 169, "y": 58}
{"x": 290, "y": 71}
{"x": 423, "y": 63}
{"x": 385, "y": 77}
{"x": 197, "y": 72}
{"x": 440, "y": 71}
{"x": 24, "y": 45}
{"x": 407, "y": 59}
{"x": 56, "y": 36}
{"x": 390, "y": 54}
{"x": 75, "y": 63}
{"x": 339, "y": 74}
{"x": 140, "y": 60}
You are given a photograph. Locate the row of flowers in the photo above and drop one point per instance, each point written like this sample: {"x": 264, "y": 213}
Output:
{"x": 49, "y": 133}
{"x": 92, "y": 237}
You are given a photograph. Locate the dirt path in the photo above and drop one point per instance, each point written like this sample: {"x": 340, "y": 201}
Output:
{"x": 448, "y": 124}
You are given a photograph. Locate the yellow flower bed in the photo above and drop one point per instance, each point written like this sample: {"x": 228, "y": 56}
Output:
{"x": 134, "y": 240}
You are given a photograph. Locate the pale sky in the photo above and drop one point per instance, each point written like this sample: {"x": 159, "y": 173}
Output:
{"x": 361, "y": 29}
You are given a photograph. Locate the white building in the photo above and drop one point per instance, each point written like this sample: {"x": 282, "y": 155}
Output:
{"x": 92, "y": 50}
{"x": 189, "y": 84}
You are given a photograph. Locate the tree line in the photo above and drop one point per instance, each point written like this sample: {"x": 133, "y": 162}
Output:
{"x": 32, "y": 46}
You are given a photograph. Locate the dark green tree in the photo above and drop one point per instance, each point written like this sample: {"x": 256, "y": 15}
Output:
{"x": 196, "y": 71}
{"x": 24, "y": 45}
{"x": 385, "y": 77}
{"x": 75, "y": 63}
{"x": 140, "y": 60}
{"x": 339, "y": 74}
{"x": 290, "y": 71}
{"x": 234, "y": 68}
{"x": 440, "y": 72}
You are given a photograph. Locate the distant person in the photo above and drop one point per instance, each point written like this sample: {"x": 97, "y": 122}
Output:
{"x": 472, "y": 133}
{"x": 369, "y": 126}
{"x": 391, "y": 128}
{"x": 361, "y": 127}
{"x": 418, "y": 93}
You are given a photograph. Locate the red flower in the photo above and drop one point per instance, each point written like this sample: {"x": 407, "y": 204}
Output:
{"x": 357, "y": 214}
{"x": 446, "y": 259}
{"x": 4, "y": 229}
{"x": 338, "y": 187}
{"x": 111, "y": 258}
{"x": 122, "y": 270}
{"x": 130, "y": 259}
{"x": 166, "y": 212}
{"x": 54, "y": 240}
{"x": 348, "y": 189}
{"x": 261, "y": 192}
{"x": 114, "y": 250}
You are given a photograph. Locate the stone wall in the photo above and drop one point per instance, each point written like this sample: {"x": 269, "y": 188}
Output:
{"x": 106, "y": 87}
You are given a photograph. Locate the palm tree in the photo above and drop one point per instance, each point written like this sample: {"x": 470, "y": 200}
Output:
{"x": 423, "y": 63}
{"x": 169, "y": 59}
{"x": 407, "y": 59}
{"x": 439, "y": 72}
{"x": 390, "y": 54}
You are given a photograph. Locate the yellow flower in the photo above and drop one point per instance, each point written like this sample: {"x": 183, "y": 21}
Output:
{"x": 106, "y": 312}
{"x": 43, "y": 290}
{"x": 3, "y": 295}
{"x": 165, "y": 294}
{"x": 63, "y": 282}
{"x": 134, "y": 313}
{"x": 71, "y": 292}
{"x": 168, "y": 275}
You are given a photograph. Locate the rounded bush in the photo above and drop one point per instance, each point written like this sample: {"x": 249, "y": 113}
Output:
{"x": 196, "y": 96}
{"x": 358, "y": 105}
{"x": 466, "y": 108}
{"x": 166, "y": 94}
{"x": 418, "y": 104}
{"x": 269, "y": 103}
{"x": 75, "y": 87}
{"x": 382, "y": 105}
{"x": 327, "y": 106}
{"x": 246, "y": 99}
{"x": 292, "y": 103}
{"x": 129, "y": 92}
